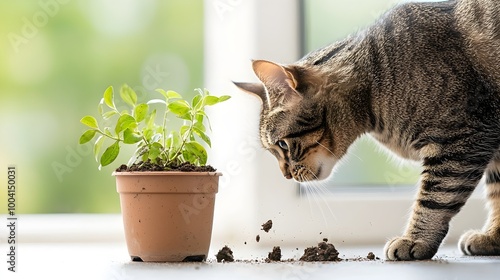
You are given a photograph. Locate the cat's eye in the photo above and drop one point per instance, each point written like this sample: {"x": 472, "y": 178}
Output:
{"x": 283, "y": 145}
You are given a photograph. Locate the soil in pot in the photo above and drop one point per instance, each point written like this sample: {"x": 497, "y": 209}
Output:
{"x": 152, "y": 166}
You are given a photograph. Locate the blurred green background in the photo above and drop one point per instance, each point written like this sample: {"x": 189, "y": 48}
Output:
{"x": 58, "y": 56}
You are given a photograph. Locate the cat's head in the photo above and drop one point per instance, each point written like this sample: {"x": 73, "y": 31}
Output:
{"x": 294, "y": 120}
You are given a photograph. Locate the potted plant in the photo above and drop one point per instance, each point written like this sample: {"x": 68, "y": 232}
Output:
{"x": 167, "y": 192}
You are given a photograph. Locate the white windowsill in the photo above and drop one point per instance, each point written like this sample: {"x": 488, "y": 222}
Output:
{"x": 86, "y": 247}
{"x": 381, "y": 215}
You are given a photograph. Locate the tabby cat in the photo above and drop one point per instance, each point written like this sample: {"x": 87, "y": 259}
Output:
{"x": 424, "y": 80}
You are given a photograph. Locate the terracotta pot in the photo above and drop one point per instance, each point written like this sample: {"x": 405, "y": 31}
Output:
{"x": 167, "y": 216}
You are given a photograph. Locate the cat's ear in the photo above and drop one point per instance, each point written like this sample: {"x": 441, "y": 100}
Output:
{"x": 269, "y": 73}
{"x": 278, "y": 80}
{"x": 253, "y": 88}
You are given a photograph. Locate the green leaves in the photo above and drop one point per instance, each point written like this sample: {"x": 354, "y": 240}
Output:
{"x": 108, "y": 97}
{"x": 180, "y": 107}
{"x": 211, "y": 100}
{"x": 109, "y": 114}
{"x": 150, "y": 119}
{"x": 169, "y": 94}
{"x": 97, "y": 147}
{"x": 202, "y": 135}
{"x": 131, "y": 137}
{"x": 110, "y": 154}
{"x": 128, "y": 95}
{"x": 87, "y": 136}
{"x": 89, "y": 121}
{"x": 155, "y": 150}
{"x": 196, "y": 153}
{"x": 140, "y": 112}
{"x": 125, "y": 121}
{"x": 136, "y": 125}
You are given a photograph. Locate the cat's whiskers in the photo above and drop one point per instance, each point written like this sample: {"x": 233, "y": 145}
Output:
{"x": 353, "y": 153}
{"x": 315, "y": 195}
{"x": 326, "y": 148}
{"x": 324, "y": 192}
{"x": 319, "y": 189}
{"x": 306, "y": 192}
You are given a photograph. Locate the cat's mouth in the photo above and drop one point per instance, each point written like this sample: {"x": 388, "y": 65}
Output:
{"x": 321, "y": 170}
{"x": 304, "y": 174}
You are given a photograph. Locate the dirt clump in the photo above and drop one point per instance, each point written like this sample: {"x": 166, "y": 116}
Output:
{"x": 154, "y": 166}
{"x": 323, "y": 252}
{"x": 370, "y": 256}
{"x": 225, "y": 254}
{"x": 267, "y": 226}
{"x": 275, "y": 255}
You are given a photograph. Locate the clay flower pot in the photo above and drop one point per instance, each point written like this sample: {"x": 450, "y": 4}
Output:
{"x": 167, "y": 216}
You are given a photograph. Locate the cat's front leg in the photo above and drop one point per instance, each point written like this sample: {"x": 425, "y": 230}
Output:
{"x": 487, "y": 242}
{"x": 447, "y": 182}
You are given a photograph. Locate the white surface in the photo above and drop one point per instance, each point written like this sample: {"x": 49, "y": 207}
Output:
{"x": 110, "y": 261}
{"x": 92, "y": 247}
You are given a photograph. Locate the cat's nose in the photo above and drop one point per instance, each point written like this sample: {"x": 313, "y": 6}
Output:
{"x": 285, "y": 170}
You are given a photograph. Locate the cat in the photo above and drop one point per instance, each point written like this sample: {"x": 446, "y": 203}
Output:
{"x": 424, "y": 80}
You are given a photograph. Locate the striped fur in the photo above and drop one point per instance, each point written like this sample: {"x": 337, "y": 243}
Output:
{"x": 424, "y": 81}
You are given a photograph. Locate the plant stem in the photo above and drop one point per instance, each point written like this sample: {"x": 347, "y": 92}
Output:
{"x": 165, "y": 129}
{"x": 111, "y": 137}
{"x": 184, "y": 140}
{"x": 165, "y": 132}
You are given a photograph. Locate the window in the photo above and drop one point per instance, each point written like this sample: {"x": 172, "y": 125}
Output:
{"x": 57, "y": 59}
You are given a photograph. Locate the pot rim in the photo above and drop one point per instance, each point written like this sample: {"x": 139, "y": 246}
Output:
{"x": 164, "y": 173}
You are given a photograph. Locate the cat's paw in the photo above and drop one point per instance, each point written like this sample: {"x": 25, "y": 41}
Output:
{"x": 406, "y": 249}
{"x": 476, "y": 243}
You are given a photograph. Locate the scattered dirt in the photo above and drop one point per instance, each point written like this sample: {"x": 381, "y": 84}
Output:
{"x": 225, "y": 254}
{"x": 323, "y": 252}
{"x": 267, "y": 226}
{"x": 152, "y": 166}
{"x": 275, "y": 255}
